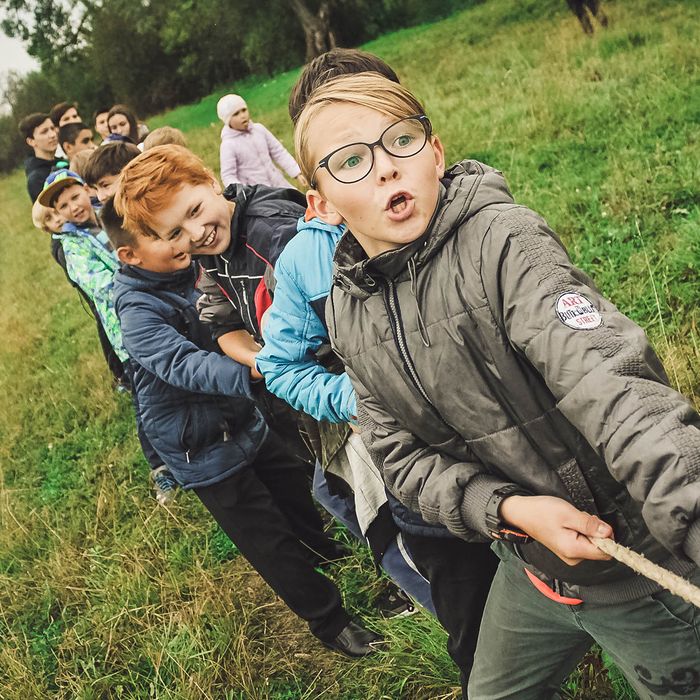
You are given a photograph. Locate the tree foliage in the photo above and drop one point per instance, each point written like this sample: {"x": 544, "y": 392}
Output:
{"x": 155, "y": 54}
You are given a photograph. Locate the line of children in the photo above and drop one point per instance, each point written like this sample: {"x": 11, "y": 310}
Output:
{"x": 563, "y": 427}
{"x": 197, "y": 404}
{"x": 506, "y": 398}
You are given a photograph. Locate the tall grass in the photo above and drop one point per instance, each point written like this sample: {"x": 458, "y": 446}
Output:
{"x": 103, "y": 595}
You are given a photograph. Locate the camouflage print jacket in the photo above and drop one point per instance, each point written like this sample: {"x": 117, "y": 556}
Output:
{"x": 91, "y": 264}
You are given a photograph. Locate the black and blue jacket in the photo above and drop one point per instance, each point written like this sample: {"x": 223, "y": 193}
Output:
{"x": 195, "y": 403}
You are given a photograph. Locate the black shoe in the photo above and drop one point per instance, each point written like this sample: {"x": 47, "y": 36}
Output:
{"x": 393, "y": 602}
{"x": 355, "y": 640}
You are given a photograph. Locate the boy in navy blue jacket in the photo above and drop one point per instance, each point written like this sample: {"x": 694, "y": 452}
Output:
{"x": 198, "y": 412}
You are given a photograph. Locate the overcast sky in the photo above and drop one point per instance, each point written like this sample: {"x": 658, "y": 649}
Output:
{"x": 13, "y": 57}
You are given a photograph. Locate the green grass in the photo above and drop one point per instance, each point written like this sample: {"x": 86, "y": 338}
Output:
{"x": 103, "y": 595}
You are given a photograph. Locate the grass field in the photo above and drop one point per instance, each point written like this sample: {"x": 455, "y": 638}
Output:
{"x": 104, "y": 595}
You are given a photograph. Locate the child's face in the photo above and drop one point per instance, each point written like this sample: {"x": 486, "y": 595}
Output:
{"x": 239, "y": 120}
{"x": 53, "y": 221}
{"x": 156, "y": 254}
{"x": 394, "y": 203}
{"x": 101, "y": 126}
{"x": 105, "y": 187}
{"x": 83, "y": 142}
{"x": 70, "y": 116}
{"x": 73, "y": 204}
{"x": 119, "y": 124}
{"x": 198, "y": 216}
{"x": 45, "y": 137}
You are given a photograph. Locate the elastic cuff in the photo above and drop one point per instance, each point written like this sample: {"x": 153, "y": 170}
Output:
{"x": 691, "y": 546}
{"x": 475, "y": 498}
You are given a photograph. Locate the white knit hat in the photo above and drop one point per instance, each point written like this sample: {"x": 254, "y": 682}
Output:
{"x": 228, "y": 105}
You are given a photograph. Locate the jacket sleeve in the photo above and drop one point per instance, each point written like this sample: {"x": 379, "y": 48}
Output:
{"x": 158, "y": 347}
{"x": 280, "y": 154}
{"x": 228, "y": 163}
{"x": 215, "y": 308}
{"x": 442, "y": 489}
{"x": 602, "y": 371}
{"x": 97, "y": 281}
{"x": 293, "y": 332}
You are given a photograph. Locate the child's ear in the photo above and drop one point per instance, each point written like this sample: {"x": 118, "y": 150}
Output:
{"x": 323, "y": 209}
{"x": 216, "y": 185}
{"x": 439, "y": 152}
{"x": 127, "y": 255}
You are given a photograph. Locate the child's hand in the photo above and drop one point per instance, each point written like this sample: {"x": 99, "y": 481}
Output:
{"x": 558, "y": 525}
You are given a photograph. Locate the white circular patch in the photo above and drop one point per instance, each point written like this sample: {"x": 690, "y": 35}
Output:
{"x": 577, "y": 312}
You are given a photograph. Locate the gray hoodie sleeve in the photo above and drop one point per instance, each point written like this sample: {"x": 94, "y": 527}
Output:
{"x": 601, "y": 369}
{"x": 442, "y": 489}
{"x": 215, "y": 308}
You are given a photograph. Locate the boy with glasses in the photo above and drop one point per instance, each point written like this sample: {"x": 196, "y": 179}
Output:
{"x": 506, "y": 399}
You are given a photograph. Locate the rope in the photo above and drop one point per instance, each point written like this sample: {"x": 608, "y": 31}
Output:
{"x": 641, "y": 565}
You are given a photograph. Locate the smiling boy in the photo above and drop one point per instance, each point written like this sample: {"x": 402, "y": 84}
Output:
{"x": 494, "y": 411}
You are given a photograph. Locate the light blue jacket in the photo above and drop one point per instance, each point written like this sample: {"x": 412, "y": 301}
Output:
{"x": 295, "y": 327}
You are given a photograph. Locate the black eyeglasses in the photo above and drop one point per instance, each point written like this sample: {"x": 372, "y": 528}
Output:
{"x": 351, "y": 163}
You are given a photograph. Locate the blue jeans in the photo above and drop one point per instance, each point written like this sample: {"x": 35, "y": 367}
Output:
{"x": 396, "y": 562}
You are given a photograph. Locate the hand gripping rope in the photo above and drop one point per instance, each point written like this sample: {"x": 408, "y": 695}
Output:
{"x": 641, "y": 565}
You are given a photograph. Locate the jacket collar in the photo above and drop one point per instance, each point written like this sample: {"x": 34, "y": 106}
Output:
{"x": 179, "y": 281}
{"x": 467, "y": 187}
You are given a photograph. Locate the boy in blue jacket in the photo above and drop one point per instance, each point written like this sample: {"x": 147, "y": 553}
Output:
{"x": 196, "y": 403}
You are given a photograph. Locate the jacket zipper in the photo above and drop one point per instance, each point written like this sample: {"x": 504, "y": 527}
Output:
{"x": 392, "y": 307}
{"x": 247, "y": 305}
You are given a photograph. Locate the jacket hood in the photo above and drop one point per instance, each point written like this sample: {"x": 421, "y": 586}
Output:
{"x": 228, "y": 133}
{"x": 317, "y": 224}
{"x": 136, "y": 278}
{"x": 466, "y": 189}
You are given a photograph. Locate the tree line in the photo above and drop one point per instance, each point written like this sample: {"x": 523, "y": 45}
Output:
{"x": 156, "y": 54}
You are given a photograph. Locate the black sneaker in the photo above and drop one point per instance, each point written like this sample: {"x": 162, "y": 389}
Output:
{"x": 164, "y": 485}
{"x": 394, "y": 602}
{"x": 355, "y": 640}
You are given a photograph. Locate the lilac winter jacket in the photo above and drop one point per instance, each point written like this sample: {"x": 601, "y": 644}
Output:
{"x": 247, "y": 157}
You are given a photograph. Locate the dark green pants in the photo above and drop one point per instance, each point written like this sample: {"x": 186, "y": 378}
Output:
{"x": 528, "y": 644}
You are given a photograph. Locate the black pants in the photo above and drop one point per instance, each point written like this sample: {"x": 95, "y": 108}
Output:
{"x": 267, "y": 511}
{"x": 460, "y": 575}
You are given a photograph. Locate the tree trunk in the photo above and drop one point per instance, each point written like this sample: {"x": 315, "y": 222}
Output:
{"x": 317, "y": 30}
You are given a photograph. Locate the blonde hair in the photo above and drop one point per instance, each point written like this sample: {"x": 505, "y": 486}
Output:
{"x": 164, "y": 135}
{"x": 365, "y": 89}
{"x": 79, "y": 161}
{"x": 39, "y": 215}
{"x": 147, "y": 184}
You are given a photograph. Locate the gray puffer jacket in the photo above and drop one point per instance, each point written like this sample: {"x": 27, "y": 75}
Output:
{"x": 483, "y": 357}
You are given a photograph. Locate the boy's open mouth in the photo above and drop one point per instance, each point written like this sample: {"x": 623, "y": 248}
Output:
{"x": 398, "y": 202}
{"x": 209, "y": 239}
{"x": 400, "y": 206}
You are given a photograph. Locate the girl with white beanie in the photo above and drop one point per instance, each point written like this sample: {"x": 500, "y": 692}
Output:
{"x": 249, "y": 153}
